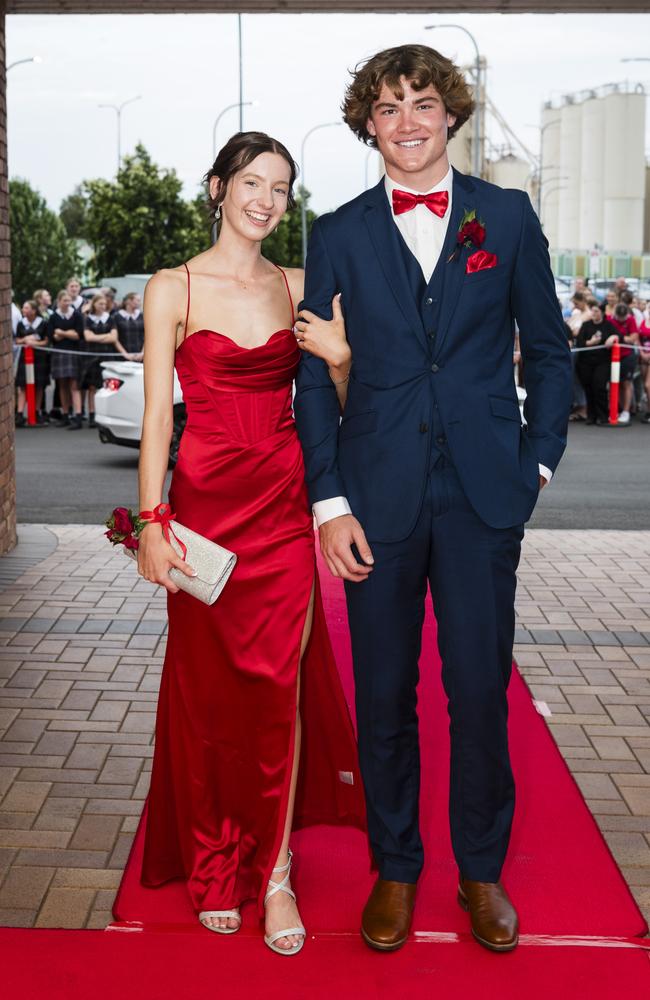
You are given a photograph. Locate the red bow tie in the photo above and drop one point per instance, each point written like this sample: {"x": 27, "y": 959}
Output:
{"x": 404, "y": 201}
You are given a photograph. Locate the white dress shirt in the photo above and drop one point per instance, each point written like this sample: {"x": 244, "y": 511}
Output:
{"x": 424, "y": 234}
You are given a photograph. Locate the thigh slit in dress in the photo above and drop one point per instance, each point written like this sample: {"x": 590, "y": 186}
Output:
{"x": 226, "y": 715}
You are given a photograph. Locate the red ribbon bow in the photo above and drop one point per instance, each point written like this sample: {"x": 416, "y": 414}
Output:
{"x": 436, "y": 202}
{"x": 163, "y": 514}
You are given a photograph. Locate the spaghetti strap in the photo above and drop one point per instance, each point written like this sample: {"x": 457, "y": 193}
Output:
{"x": 293, "y": 312}
{"x": 187, "y": 314}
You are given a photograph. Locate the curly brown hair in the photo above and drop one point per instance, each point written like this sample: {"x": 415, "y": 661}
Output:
{"x": 423, "y": 67}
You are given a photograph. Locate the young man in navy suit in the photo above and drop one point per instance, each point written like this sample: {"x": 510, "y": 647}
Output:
{"x": 430, "y": 476}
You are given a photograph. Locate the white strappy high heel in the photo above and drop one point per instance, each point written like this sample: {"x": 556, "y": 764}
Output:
{"x": 235, "y": 914}
{"x": 282, "y": 886}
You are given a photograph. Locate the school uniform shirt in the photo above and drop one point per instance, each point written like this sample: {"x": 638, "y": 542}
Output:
{"x": 92, "y": 374}
{"x": 41, "y": 358}
{"x": 66, "y": 352}
{"x": 130, "y": 330}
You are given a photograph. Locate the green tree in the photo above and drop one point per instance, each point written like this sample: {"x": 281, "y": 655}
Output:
{"x": 284, "y": 245}
{"x": 139, "y": 222}
{"x": 72, "y": 213}
{"x": 42, "y": 254}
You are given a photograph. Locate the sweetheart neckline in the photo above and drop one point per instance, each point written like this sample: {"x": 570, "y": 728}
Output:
{"x": 234, "y": 342}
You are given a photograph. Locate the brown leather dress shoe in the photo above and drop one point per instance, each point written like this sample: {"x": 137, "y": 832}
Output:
{"x": 494, "y": 919}
{"x": 387, "y": 915}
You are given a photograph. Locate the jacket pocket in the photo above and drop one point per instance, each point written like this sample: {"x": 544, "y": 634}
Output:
{"x": 488, "y": 272}
{"x": 358, "y": 423}
{"x": 507, "y": 408}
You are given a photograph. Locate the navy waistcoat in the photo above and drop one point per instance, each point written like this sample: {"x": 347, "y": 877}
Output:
{"x": 428, "y": 299}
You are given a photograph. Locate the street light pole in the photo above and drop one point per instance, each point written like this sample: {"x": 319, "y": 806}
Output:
{"x": 118, "y": 108}
{"x": 35, "y": 59}
{"x": 542, "y": 130}
{"x": 229, "y": 107}
{"x": 476, "y": 155}
{"x": 303, "y": 203}
{"x": 560, "y": 187}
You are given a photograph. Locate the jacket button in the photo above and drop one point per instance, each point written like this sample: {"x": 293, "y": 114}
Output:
{"x": 428, "y": 302}
{"x": 431, "y": 334}
{"x": 441, "y": 439}
{"x": 424, "y": 428}
{"x": 435, "y": 368}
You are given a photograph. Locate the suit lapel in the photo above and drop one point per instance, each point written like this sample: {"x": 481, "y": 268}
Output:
{"x": 384, "y": 236}
{"x": 463, "y": 199}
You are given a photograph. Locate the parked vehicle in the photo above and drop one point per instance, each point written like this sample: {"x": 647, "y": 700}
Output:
{"x": 119, "y": 406}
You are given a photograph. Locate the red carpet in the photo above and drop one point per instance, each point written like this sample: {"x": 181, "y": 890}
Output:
{"x": 98, "y": 965}
{"x": 560, "y": 873}
{"x": 559, "y": 870}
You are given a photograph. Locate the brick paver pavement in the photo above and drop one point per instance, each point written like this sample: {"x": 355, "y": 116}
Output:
{"x": 81, "y": 648}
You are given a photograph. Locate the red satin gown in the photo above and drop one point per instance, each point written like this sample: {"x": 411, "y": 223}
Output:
{"x": 225, "y": 723}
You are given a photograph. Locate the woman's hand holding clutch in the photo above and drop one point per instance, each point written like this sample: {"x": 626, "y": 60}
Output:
{"x": 156, "y": 557}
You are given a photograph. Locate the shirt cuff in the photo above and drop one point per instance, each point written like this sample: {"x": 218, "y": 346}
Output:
{"x": 544, "y": 471}
{"x": 326, "y": 510}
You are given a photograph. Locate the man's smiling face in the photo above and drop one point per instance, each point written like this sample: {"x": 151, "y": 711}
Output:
{"x": 411, "y": 134}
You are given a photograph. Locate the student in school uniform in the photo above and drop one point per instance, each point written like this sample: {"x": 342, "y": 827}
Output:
{"x": 31, "y": 331}
{"x": 43, "y": 301}
{"x": 100, "y": 337}
{"x": 65, "y": 329}
{"x": 73, "y": 288}
{"x": 109, "y": 295}
{"x": 130, "y": 327}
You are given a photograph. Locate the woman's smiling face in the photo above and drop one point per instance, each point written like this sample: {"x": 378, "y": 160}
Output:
{"x": 257, "y": 196}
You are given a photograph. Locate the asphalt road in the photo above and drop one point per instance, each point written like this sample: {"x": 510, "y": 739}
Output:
{"x": 69, "y": 476}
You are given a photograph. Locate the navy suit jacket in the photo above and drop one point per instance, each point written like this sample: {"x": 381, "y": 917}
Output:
{"x": 378, "y": 455}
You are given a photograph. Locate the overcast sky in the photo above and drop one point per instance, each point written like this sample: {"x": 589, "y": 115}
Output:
{"x": 295, "y": 66}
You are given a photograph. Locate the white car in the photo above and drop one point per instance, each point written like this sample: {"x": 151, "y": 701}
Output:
{"x": 119, "y": 406}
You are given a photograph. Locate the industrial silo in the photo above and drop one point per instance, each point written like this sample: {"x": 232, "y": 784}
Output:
{"x": 592, "y": 158}
{"x": 509, "y": 171}
{"x": 568, "y": 180}
{"x": 459, "y": 149}
{"x": 624, "y": 172}
{"x": 549, "y": 199}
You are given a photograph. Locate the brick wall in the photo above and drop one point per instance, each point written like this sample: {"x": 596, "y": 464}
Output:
{"x": 7, "y": 466}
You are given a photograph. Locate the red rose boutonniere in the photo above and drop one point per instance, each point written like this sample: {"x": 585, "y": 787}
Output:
{"x": 471, "y": 233}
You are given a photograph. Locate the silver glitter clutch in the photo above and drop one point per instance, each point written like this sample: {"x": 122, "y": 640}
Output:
{"x": 213, "y": 563}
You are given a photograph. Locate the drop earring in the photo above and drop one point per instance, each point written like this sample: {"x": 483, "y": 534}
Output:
{"x": 217, "y": 213}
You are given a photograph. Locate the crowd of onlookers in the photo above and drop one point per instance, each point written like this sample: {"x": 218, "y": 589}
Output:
{"x": 593, "y": 325}
{"x": 78, "y": 330}
{"x": 70, "y": 338}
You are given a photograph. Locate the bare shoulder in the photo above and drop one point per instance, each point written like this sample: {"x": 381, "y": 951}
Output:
{"x": 166, "y": 285}
{"x": 296, "y": 279}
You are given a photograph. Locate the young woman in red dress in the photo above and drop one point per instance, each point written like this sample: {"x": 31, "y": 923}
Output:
{"x": 253, "y": 735}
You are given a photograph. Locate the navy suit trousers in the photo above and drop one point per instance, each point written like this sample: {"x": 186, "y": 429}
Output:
{"x": 470, "y": 568}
